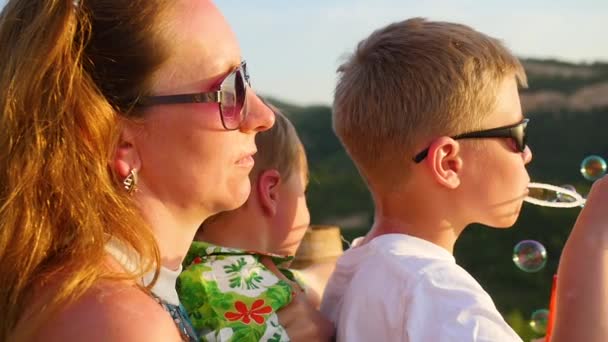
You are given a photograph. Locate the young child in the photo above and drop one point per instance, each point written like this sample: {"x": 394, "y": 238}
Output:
{"x": 430, "y": 114}
{"x": 228, "y": 286}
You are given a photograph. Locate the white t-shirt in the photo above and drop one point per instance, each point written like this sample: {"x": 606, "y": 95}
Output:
{"x": 401, "y": 288}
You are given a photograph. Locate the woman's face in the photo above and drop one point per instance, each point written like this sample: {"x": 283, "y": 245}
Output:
{"x": 188, "y": 161}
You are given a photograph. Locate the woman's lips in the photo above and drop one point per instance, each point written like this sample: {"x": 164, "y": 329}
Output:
{"x": 246, "y": 161}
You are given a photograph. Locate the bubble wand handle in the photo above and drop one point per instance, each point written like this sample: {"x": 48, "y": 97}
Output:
{"x": 552, "y": 307}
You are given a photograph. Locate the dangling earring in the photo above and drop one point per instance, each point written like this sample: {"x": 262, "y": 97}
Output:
{"x": 130, "y": 183}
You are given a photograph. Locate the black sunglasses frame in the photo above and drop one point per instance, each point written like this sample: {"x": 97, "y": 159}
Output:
{"x": 239, "y": 73}
{"x": 516, "y": 131}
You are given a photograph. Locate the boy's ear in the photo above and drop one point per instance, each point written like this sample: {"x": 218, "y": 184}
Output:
{"x": 268, "y": 191}
{"x": 445, "y": 162}
{"x": 126, "y": 156}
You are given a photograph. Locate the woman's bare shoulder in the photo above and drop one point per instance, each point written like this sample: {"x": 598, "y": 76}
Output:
{"x": 111, "y": 311}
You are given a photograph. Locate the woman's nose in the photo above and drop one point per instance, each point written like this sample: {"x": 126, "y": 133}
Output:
{"x": 259, "y": 116}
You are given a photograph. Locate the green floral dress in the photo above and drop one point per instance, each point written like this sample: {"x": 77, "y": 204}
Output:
{"x": 231, "y": 296}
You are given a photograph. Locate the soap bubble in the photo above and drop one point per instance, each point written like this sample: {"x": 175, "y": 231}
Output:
{"x": 593, "y": 167}
{"x": 539, "y": 320}
{"x": 529, "y": 255}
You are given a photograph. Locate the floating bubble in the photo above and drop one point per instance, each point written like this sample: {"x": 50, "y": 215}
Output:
{"x": 538, "y": 321}
{"x": 564, "y": 197}
{"x": 593, "y": 167}
{"x": 529, "y": 255}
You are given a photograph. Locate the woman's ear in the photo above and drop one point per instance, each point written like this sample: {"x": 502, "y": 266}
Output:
{"x": 126, "y": 157}
{"x": 445, "y": 162}
{"x": 268, "y": 191}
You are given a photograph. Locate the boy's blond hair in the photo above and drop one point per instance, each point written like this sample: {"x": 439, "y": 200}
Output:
{"x": 410, "y": 82}
{"x": 279, "y": 148}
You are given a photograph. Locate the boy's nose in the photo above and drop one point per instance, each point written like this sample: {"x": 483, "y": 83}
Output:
{"x": 527, "y": 155}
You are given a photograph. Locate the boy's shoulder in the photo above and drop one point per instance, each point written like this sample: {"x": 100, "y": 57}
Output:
{"x": 397, "y": 268}
{"x": 397, "y": 256}
{"x": 199, "y": 250}
{"x": 418, "y": 286}
{"x": 225, "y": 289}
{"x": 228, "y": 275}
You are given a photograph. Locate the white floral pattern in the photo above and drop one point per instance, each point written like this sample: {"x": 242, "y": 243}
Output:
{"x": 271, "y": 335}
{"x": 219, "y": 336}
{"x": 245, "y": 276}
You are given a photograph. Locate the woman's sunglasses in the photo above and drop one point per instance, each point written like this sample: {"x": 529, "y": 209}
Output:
{"x": 231, "y": 96}
{"x": 517, "y": 132}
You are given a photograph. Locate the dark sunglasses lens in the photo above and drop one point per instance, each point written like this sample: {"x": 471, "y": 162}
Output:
{"x": 246, "y": 74}
{"x": 233, "y": 100}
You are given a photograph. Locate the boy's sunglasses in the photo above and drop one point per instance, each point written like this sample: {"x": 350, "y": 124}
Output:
{"x": 231, "y": 96}
{"x": 517, "y": 132}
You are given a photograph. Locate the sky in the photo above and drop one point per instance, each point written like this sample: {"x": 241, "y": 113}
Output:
{"x": 293, "y": 47}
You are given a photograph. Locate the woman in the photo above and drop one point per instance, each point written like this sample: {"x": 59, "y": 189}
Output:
{"x": 105, "y": 174}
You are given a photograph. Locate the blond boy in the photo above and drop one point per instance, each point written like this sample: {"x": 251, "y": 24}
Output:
{"x": 231, "y": 286}
{"x": 430, "y": 114}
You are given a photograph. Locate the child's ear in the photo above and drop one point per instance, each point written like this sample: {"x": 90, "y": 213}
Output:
{"x": 445, "y": 162}
{"x": 268, "y": 191}
{"x": 126, "y": 156}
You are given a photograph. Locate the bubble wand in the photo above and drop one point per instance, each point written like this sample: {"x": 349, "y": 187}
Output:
{"x": 578, "y": 200}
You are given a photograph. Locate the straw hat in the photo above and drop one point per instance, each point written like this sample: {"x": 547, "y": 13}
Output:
{"x": 321, "y": 243}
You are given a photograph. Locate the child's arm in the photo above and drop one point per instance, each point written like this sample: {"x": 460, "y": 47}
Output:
{"x": 582, "y": 287}
{"x": 314, "y": 279}
{"x": 303, "y": 322}
{"x": 300, "y": 319}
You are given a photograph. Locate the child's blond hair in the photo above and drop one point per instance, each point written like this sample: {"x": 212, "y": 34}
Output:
{"x": 410, "y": 82}
{"x": 279, "y": 148}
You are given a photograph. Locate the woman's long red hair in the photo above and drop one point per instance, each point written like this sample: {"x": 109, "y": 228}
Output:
{"x": 69, "y": 73}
